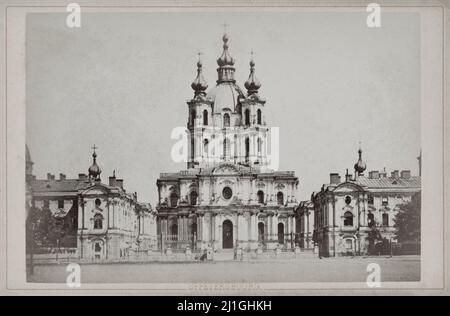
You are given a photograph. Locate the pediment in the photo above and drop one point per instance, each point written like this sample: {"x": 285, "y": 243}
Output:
{"x": 348, "y": 187}
{"x": 96, "y": 190}
{"x": 260, "y": 184}
{"x": 225, "y": 169}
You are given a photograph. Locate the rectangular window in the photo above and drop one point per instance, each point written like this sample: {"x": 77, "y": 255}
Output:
{"x": 370, "y": 200}
{"x": 61, "y": 204}
{"x": 384, "y": 201}
{"x": 349, "y": 244}
{"x": 385, "y": 220}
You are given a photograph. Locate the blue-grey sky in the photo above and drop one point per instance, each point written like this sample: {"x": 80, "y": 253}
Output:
{"x": 122, "y": 80}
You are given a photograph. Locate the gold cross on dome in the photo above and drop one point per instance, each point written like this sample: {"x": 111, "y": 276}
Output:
{"x": 94, "y": 147}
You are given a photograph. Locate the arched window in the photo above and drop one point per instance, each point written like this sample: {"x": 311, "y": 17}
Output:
{"x": 193, "y": 198}
{"x": 226, "y": 120}
{"x": 247, "y": 117}
{"x": 226, "y": 148}
{"x": 280, "y": 198}
{"x": 98, "y": 221}
{"x": 247, "y": 149}
{"x": 205, "y": 117}
{"x": 280, "y": 233}
{"x": 348, "y": 219}
{"x": 174, "y": 229}
{"x": 370, "y": 220}
{"x": 192, "y": 148}
{"x": 205, "y": 146}
{"x": 260, "y": 197}
{"x": 259, "y": 146}
{"x": 193, "y": 115}
{"x": 385, "y": 218}
{"x": 173, "y": 199}
{"x": 260, "y": 232}
{"x": 259, "y": 116}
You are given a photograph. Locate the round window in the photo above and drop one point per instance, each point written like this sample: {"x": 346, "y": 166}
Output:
{"x": 227, "y": 193}
{"x": 348, "y": 199}
{"x": 98, "y": 202}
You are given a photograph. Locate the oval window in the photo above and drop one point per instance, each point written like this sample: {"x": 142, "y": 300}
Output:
{"x": 227, "y": 193}
{"x": 348, "y": 199}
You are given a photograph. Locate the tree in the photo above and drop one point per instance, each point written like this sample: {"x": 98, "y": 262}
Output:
{"x": 43, "y": 228}
{"x": 407, "y": 221}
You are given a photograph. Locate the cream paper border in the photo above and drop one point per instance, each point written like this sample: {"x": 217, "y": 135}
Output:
{"x": 434, "y": 18}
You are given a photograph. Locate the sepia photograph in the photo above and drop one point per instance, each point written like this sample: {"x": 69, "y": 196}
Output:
{"x": 234, "y": 148}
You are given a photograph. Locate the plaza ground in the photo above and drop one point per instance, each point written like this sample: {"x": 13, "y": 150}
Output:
{"x": 396, "y": 269}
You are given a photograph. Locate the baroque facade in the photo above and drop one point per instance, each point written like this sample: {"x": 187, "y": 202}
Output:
{"x": 345, "y": 213}
{"x": 98, "y": 221}
{"x": 228, "y": 197}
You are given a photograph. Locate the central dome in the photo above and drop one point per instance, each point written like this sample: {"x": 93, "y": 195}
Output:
{"x": 225, "y": 95}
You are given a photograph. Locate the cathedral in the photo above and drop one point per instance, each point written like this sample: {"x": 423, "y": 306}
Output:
{"x": 228, "y": 197}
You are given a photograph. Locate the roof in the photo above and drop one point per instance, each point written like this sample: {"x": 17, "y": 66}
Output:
{"x": 226, "y": 169}
{"x": 412, "y": 182}
{"x": 225, "y": 96}
{"x": 68, "y": 185}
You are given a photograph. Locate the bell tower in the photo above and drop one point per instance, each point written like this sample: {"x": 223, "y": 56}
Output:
{"x": 227, "y": 124}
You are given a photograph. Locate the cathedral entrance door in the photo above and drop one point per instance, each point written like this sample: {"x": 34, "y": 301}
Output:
{"x": 227, "y": 234}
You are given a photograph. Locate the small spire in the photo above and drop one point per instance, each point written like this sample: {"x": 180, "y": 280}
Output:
{"x": 199, "y": 85}
{"x": 94, "y": 170}
{"x": 226, "y": 62}
{"x": 360, "y": 165}
{"x": 252, "y": 84}
{"x": 419, "y": 159}
{"x": 94, "y": 154}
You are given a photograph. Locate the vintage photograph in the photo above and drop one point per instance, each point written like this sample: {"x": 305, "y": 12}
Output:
{"x": 228, "y": 147}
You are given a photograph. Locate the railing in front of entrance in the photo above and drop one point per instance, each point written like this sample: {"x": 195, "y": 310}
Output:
{"x": 176, "y": 242}
{"x": 290, "y": 239}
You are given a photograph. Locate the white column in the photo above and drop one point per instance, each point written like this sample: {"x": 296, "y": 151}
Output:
{"x": 242, "y": 235}
{"x": 254, "y": 228}
{"x": 274, "y": 226}
{"x": 212, "y": 222}
{"x": 218, "y": 231}
{"x": 289, "y": 225}
{"x": 204, "y": 229}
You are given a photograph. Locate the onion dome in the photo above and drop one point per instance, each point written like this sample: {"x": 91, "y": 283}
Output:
{"x": 199, "y": 85}
{"x": 360, "y": 165}
{"x": 252, "y": 84}
{"x": 226, "y": 64}
{"x": 94, "y": 170}
{"x": 225, "y": 59}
